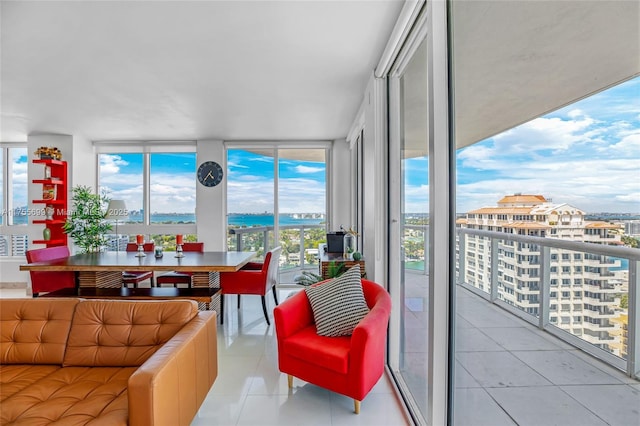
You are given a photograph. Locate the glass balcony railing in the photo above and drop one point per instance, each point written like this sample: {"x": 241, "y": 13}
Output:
{"x": 299, "y": 245}
{"x": 584, "y": 293}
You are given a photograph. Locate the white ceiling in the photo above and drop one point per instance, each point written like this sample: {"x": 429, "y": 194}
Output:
{"x": 172, "y": 70}
{"x": 519, "y": 59}
{"x": 288, "y": 70}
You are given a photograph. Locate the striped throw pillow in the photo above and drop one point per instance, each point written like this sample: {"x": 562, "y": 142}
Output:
{"x": 339, "y": 305}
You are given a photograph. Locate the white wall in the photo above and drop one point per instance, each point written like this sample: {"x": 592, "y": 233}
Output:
{"x": 211, "y": 206}
{"x": 375, "y": 185}
{"x": 340, "y": 186}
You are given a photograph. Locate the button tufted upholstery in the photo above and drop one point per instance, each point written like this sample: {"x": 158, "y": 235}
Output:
{"x": 74, "y": 361}
{"x": 111, "y": 334}
{"x": 34, "y": 331}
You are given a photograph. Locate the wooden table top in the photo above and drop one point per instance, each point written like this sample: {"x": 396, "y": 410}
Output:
{"x": 221, "y": 261}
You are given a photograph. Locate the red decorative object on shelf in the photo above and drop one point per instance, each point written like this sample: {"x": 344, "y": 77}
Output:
{"x": 54, "y": 201}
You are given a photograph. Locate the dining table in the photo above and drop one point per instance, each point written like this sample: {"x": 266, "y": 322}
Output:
{"x": 97, "y": 271}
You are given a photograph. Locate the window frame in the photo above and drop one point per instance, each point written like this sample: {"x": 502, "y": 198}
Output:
{"x": 146, "y": 148}
{"x": 7, "y": 227}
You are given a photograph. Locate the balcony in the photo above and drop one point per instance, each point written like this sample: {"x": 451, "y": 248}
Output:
{"x": 513, "y": 364}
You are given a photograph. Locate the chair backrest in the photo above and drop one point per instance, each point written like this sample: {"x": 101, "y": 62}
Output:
{"x": 50, "y": 280}
{"x": 193, "y": 247}
{"x": 272, "y": 262}
{"x": 145, "y": 246}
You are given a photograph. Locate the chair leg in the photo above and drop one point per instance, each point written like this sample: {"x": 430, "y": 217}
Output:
{"x": 356, "y": 406}
{"x": 290, "y": 381}
{"x": 264, "y": 309}
{"x": 275, "y": 294}
{"x": 238, "y": 301}
{"x": 222, "y": 309}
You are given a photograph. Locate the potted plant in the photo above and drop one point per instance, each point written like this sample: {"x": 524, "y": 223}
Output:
{"x": 86, "y": 223}
{"x": 307, "y": 278}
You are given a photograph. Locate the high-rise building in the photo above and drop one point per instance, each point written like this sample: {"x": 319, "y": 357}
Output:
{"x": 585, "y": 288}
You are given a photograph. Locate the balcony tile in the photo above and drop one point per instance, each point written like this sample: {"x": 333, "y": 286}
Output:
{"x": 613, "y": 403}
{"x": 543, "y": 405}
{"x": 464, "y": 379}
{"x": 499, "y": 369}
{"x": 462, "y": 323}
{"x": 479, "y": 409}
{"x": 563, "y": 368}
{"x": 519, "y": 339}
{"x": 473, "y": 339}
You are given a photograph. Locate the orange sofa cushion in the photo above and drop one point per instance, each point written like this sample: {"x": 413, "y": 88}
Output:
{"x": 14, "y": 378}
{"x": 34, "y": 331}
{"x": 72, "y": 395}
{"x": 116, "y": 333}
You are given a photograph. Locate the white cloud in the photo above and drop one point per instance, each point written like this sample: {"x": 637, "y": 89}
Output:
{"x": 307, "y": 169}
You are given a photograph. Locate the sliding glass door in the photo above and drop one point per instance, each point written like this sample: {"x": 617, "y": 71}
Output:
{"x": 410, "y": 165}
{"x": 276, "y": 196}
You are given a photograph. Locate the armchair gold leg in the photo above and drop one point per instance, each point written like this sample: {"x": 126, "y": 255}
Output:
{"x": 356, "y": 406}
{"x": 290, "y": 381}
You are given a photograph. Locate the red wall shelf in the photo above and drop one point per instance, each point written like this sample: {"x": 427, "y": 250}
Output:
{"x": 59, "y": 204}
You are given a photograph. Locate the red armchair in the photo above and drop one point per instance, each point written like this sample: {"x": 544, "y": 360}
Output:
{"x": 45, "y": 281}
{"x": 253, "y": 278}
{"x": 349, "y": 365}
{"x": 176, "y": 278}
{"x": 135, "y": 277}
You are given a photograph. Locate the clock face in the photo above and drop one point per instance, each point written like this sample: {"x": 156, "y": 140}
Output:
{"x": 210, "y": 173}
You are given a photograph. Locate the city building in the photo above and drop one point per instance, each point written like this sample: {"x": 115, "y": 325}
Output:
{"x": 584, "y": 288}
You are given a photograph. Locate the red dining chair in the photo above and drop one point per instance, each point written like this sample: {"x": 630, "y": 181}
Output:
{"x": 253, "y": 278}
{"x": 350, "y": 365}
{"x": 45, "y": 281}
{"x": 176, "y": 278}
{"x": 136, "y": 277}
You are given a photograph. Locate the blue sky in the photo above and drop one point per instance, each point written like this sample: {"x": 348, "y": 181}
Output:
{"x": 586, "y": 154}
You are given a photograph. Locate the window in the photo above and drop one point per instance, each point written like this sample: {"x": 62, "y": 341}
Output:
{"x": 172, "y": 188}
{"x": 276, "y": 196}
{"x": 157, "y": 182}
{"x": 13, "y": 193}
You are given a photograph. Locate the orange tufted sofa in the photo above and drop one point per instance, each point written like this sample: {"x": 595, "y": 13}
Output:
{"x": 104, "y": 362}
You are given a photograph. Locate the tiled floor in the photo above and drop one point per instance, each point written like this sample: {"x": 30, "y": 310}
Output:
{"x": 510, "y": 373}
{"x": 250, "y": 390}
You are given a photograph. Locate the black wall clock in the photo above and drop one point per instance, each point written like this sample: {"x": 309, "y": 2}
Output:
{"x": 210, "y": 173}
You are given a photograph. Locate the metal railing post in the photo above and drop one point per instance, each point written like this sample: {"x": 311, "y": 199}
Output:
{"x": 494, "y": 269}
{"x": 462, "y": 249}
{"x": 545, "y": 287}
{"x": 633, "y": 340}
{"x": 265, "y": 240}
{"x": 301, "y": 246}
{"x": 426, "y": 250}
{"x": 238, "y": 241}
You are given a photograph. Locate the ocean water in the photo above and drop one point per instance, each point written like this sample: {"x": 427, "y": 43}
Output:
{"x": 235, "y": 220}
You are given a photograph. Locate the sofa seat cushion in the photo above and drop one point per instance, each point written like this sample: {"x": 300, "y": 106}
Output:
{"x": 15, "y": 377}
{"x": 331, "y": 353}
{"x": 72, "y": 395}
{"x": 117, "y": 333}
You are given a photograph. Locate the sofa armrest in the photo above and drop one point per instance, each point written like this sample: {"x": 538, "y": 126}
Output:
{"x": 170, "y": 386}
{"x": 292, "y": 315}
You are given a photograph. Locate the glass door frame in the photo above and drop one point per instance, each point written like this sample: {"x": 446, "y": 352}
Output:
{"x": 432, "y": 27}
{"x": 275, "y": 147}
